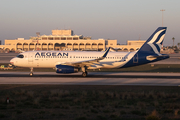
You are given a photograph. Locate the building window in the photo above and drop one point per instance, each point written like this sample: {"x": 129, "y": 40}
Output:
{"x": 50, "y": 38}
{"x": 69, "y": 38}
{"x": 57, "y": 38}
{"x": 63, "y": 38}
{"x": 44, "y": 38}
{"x": 75, "y": 38}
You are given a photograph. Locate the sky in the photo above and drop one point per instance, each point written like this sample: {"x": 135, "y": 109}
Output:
{"x": 108, "y": 19}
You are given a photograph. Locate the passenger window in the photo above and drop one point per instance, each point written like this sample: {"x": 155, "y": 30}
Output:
{"x": 20, "y": 56}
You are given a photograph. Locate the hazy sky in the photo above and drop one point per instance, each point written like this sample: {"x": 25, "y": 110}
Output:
{"x": 109, "y": 19}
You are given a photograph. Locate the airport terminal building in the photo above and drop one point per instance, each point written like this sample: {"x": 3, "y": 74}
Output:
{"x": 66, "y": 40}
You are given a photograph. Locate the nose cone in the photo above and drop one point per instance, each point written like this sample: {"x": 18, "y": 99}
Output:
{"x": 12, "y": 61}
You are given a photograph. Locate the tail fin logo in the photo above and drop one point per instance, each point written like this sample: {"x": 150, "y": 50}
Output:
{"x": 156, "y": 41}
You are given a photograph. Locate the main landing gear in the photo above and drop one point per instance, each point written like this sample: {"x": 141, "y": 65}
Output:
{"x": 31, "y": 72}
{"x": 84, "y": 74}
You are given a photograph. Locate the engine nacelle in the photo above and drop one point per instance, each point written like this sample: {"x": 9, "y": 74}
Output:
{"x": 65, "y": 69}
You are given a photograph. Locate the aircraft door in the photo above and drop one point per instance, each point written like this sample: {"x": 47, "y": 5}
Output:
{"x": 30, "y": 57}
{"x": 135, "y": 58}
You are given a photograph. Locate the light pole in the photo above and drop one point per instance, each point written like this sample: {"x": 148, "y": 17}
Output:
{"x": 173, "y": 41}
{"x": 162, "y": 16}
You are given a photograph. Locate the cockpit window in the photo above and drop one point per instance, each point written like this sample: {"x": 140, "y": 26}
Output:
{"x": 20, "y": 56}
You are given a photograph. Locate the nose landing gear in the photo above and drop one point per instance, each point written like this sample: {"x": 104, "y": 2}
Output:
{"x": 31, "y": 72}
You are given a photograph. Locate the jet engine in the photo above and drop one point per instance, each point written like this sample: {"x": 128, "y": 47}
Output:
{"x": 65, "y": 69}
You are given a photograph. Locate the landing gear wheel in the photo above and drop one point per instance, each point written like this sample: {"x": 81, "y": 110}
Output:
{"x": 84, "y": 74}
{"x": 31, "y": 74}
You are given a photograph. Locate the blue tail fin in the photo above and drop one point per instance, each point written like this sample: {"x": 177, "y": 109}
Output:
{"x": 150, "y": 50}
{"x": 154, "y": 43}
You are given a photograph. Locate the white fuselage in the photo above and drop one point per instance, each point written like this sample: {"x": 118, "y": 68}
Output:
{"x": 49, "y": 59}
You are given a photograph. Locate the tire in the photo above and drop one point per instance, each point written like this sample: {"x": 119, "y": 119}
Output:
{"x": 31, "y": 74}
{"x": 84, "y": 74}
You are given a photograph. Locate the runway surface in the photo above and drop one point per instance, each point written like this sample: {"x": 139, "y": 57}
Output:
{"x": 94, "y": 78}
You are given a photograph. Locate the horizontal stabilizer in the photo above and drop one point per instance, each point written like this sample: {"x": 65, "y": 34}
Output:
{"x": 150, "y": 58}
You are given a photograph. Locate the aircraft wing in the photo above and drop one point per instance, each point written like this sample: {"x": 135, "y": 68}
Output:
{"x": 87, "y": 62}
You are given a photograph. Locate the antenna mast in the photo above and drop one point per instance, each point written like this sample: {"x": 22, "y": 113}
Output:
{"x": 162, "y": 16}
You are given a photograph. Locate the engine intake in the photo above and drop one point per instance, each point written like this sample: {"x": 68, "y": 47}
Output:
{"x": 65, "y": 69}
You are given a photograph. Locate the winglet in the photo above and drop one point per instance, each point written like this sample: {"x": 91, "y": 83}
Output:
{"x": 104, "y": 55}
{"x": 106, "y": 52}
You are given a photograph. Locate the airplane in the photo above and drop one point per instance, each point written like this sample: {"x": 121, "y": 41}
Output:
{"x": 75, "y": 61}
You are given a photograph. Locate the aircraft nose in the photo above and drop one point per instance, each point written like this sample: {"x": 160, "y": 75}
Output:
{"x": 12, "y": 61}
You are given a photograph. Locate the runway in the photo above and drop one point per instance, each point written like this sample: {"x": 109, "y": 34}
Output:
{"x": 94, "y": 78}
